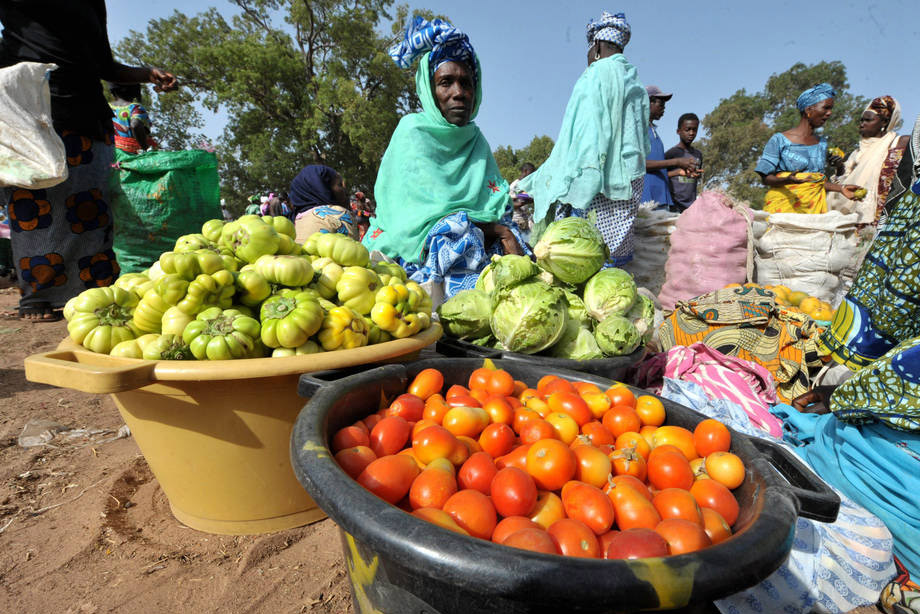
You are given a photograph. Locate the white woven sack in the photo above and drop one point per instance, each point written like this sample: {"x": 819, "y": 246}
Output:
{"x": 652, "y": 242}
{"x": 32, "y": 155}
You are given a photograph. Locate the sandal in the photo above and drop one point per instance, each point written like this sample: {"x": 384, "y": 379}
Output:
{"x": 39, "y": 312}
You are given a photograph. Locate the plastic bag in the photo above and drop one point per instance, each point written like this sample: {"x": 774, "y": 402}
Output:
{"x": 32, "y": 155}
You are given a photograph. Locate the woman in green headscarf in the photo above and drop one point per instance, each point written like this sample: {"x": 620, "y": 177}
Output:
{"x": 442, "y": 205}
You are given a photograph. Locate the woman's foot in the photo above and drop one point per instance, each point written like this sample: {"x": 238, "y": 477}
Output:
{"x": 39, "y": 312}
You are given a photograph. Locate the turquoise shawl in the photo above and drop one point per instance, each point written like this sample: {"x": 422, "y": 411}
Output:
{"x": 432, "y": 169}
{"x": 603, "y": 142}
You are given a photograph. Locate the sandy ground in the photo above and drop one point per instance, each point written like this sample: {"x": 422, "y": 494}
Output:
{"x": 85, "y": 528}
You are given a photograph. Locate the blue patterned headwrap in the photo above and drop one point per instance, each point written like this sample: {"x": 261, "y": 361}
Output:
{"x": 446, "y": 43}
{"x": 611, "y": 28}
{"x": 814, "y": 95}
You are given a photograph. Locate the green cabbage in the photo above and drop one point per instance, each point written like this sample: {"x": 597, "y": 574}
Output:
{"x": 577, "y": 343}
{"x": 577, "y": 310}
{"x": 485, "y": 282}
{"x": 510, "y": 270}
{"x": 572, "y": 249}
{"x": 610, "y": 292}
{"x": 466, "y": 315}
{"x": 617, "y": 336}
{"x": 642, "y": 315}
{"x": 528, "y": 317}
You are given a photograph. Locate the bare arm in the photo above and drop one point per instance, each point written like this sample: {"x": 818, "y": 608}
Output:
{"x": 140, "y": 132}
{"x": 687, "y": 164}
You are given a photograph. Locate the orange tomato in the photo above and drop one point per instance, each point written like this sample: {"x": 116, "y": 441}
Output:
{"x": 647, "y": 432}
{"x": 551, "y": 463}
{"x": 479, "y": 379}
{"x": 586, "y": 387}
{"x": 354, "y": 460}
{"x": 349, "y": 437}
{"x": 459, "y": 400}
{"x": 597, "y": 402}
{"x": 711, "y": 436}
{"x": 548, "y": 509}
{"x": 433, "y": 442}
{"x": 427, "y": 383}
{"x": 521, "y": 416}
{"x": 467, "y": 421}
{"x": 536, "y": 429}
{"x": 632, "y": 509}
{"x": 632, "y": 440}
{"x": 499, "y": 410}
{"x": 527, "y": 394}
{"x": 620, "y": 394}
{"x": 435, "y": 408}
{"x": 594, "y": 466}
{"x": 471, "y": 444}
{"x": 677, "y": 503}
{"x": 717, "y": 529}
{"x": 676, "y": 436}
{"x": 513, "y": 492}
{"x": 651, "y": 410}
{"x": 500, "y": 383}
{"x": 517, "y": 457}
{"x": 574, "y": 538}
{"x": 711, "y": 494}
{"x": 589, "y": 505}
{"x": 473, "y": 511}
{"x": 459, "y": 454}
{"x": 432, "y": 488}
{"x": 545, "y": 381}
{"x": 725, "y": 468}
{"x": 480, "y": 395}
{"x": 598, "y": 433}
{"x": 420, "y": 426}
{"x": 698, "y": 466}
{"x": 477, "y": 473}
{"x": 519, "y": 387}
{"x": 509, "y": 524}
{"x": 389, "y": 436}
{"x": 635, "y": 483}
{"x": 564, "y": 425}
{"x": 628, "y": 462}
{"x": 440, "y": 518}
{"x": 620, "y": 419}
{"x": 497, "y": 439}
{"x": 669, "y": 470}
{"x": 572, "y": 404}
{"x": 389, "y": 477}
{"x": 682, "y": 535}
{"x": 457, "y": 390}
{"x": 411, "y": 454}
{"x": 538, "y": 405}
{"x": 535, "y": 540}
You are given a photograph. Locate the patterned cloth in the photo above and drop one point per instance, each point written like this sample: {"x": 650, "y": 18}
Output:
{"x": 122, "y": 117}
{"x": 325, "y": 218}
{"x": 614, "y": 218}
{"x": 808, "y": 197}
{"x": 610, "y": 27}
{"x": 446, "y": 43}
{"x": 62, "y": 236}
{"x": 832, "y": 567}
{"x": 457, "y": 253}
{"x": 747, "y": 323}
{"x": 781, "y": 154}
{"x": 814, "y": 95}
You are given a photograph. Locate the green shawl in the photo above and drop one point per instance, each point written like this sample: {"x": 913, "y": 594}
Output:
{"x": 432, "y": 169}
{"x": 602, "y": 144}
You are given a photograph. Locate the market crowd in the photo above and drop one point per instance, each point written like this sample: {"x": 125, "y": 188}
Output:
{"x": 442, "y": 209}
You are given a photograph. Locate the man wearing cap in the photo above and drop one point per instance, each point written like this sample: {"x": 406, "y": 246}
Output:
{"x": 657, "y": 188}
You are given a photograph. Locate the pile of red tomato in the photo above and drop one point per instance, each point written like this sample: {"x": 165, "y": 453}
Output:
{"x": 563, "y": 468}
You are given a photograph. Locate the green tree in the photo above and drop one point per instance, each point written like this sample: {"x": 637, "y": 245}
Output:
{"x": 302, "y": 82}
{"x": 739, "y": 127}
{"x": 510, "y": 160}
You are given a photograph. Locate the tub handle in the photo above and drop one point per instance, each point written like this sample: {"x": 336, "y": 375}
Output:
{"x": 348, "y": 377}
{"x": 64, "y": 369}
{"x": 817, "y": 500}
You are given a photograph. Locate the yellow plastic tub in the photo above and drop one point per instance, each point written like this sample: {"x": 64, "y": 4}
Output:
{"x": 216, "y": 434}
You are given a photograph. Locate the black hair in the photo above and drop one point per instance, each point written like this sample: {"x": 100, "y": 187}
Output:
{"x": 125, "y": 91}
{"x": 527, "y": 166}
{"x": 686, "y": 117}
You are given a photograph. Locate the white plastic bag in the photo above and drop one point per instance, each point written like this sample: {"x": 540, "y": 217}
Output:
{"x": 652, "y": 242}
{"x": 32, "y": 155}
{"x": 809, "y": 252}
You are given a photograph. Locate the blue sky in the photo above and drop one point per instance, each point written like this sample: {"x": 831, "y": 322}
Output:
{"x": 532, "y": 52}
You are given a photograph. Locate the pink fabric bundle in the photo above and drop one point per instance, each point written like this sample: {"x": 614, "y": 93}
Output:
{"x": 744, "y": 383}
{"x": 710, "y": 248}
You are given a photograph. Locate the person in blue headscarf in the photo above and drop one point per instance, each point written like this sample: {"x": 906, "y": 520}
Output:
{"x": 597, "y": 167}
{"x": 793, "y": 162}
{"x": 442, "y": 205}
{"x": 319, "y": 203}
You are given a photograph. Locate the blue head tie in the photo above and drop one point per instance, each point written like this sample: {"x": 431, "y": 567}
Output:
{"x": 814, "y": 95}
{"x": 446, "y": 43}
{"x": 610, "y": 27}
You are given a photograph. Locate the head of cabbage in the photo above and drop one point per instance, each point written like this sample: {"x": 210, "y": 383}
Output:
{"x": 572, "y": 249}
{"x": 466, "y": 315}
{"x": 577, "y": 343}
{"x": 528, "y": 317}
{"x": 642, "y": 315}
{"x": 511, "y": 269}
{"x": 609, "y": 292}
{"x": 617, "y": 336}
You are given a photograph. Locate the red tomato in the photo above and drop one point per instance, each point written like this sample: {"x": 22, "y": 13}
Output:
{"x": 456, "y": 390}
{"x": 371, "y": 421}
{"x": 360, "y": 424}
{"x": 500, "y": 383}
{"x": 711, "y": 436}
{"x": 619, "y": 394}
{"x": 473, "y": 511}
{"x": 717, "y": 529}
{"x": 725, "y": 468}
{"x": 521, "y": 416}
{"x": 480, "y": 395}
{"x": 432, "y": 488}
{"x": 536, "y": 429}
{"x": 545, "y": 381}
{"x": 589, "y": 505}
{"x": 651, "y": 410}
{"x": 535, "y": 540}
{"x": 604, "y": 540}
{"x": 499, "y": 410}
{"x": 354, "y": 460}
{"x": 427, "y": 383}
{"x": 349, "y": 437}
{"x": 713, "y": 495}
{"x": 389, "y": 477}
{"x": 669, "y": 470}
{"x": 433, "y": 442}
{"x": 435, "y": 408}
{"x": 637, "y": 484}
{"x": 507, "y": 526}
{"x": 420, "y": 426}
{"x": 517, "y": 457}
{"x": 408, "y": 406}
{"x": 519, "y": 387}
{"x": 676, "y": 436}
{"x": 463, "y": 400}
{"x": 551, "y": 463}
{"x": 620, "y": 419}
{"x": 572, "y": 404}
{"x": 440, "y": 518}
{"x": 497, "y": 439}
{"x": 636, "y": 544}
{"x": 677, "y": 503}
{"x": 598, "y": 433}
{"x": 632, "y": 508}
{"x": 682, "y": 535}
{"x": 389, "y": 436}
{"x": 594, "y": 466}
{"x": 663, "y": 448}
{"x": 575, "y": 538}
{"x": 477, "y": 473}
{"x": 514, "y": 492}
{"x": 628, "y": 462}
{"x": 479, "y": 378}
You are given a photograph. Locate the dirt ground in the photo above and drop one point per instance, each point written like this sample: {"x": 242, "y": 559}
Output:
{"x": 85, "y": 528}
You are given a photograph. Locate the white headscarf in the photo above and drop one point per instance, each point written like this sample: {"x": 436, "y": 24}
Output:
{"x": 864, "y": 167}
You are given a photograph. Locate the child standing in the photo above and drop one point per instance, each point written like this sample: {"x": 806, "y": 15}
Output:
{"x": 684, "y": 182}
